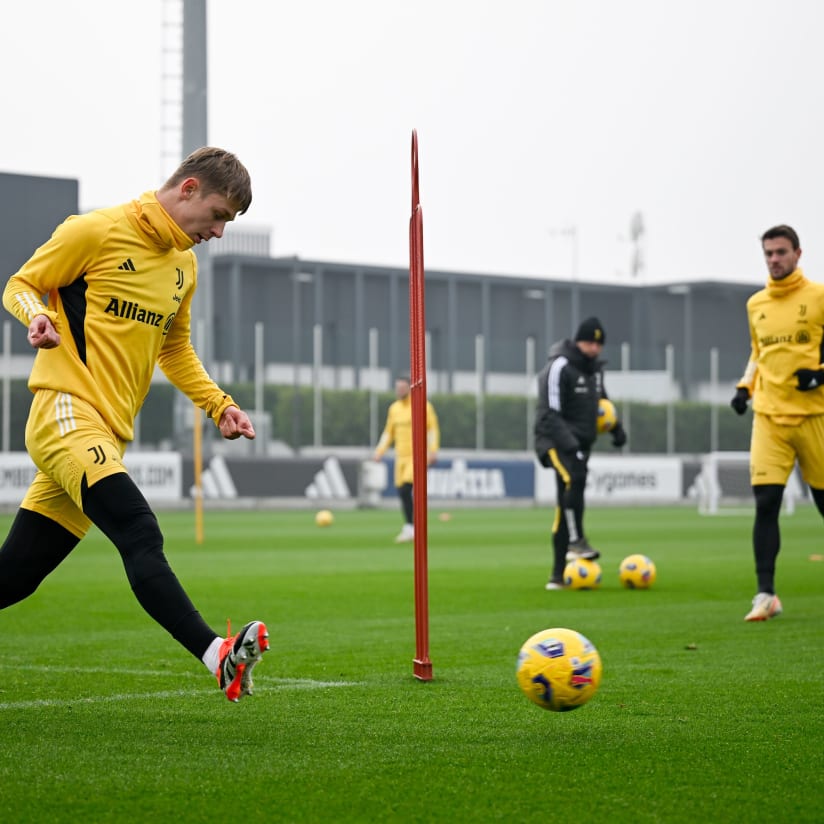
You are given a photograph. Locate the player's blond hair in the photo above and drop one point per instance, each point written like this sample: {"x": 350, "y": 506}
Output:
{"x": 219, "y": 172}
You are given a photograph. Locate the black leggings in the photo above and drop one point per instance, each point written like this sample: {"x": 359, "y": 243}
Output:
{"x": 766, "y": 534}
{"x": 405, "y": 494}
{"x": 36, "y": 545}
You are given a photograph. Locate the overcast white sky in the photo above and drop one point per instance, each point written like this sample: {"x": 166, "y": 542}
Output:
{"x": 532, "y": 116}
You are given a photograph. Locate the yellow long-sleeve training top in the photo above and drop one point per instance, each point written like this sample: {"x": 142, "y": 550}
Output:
{"x": 787, "y": 333}
{"x": 120, "y": 283}
{"x": 398, "y": 429}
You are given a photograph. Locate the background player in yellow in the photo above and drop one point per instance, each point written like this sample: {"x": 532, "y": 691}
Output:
{"x": 398, "y": 430}
{"x": 120, "y": 283}
{"x": 783, "y": 377}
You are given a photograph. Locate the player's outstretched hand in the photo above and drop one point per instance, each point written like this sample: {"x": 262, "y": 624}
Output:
{"x": 619, "y": 435}
{"x": 739, "y": 401}
{"x": 809, "y": 379}
{"x": 235, "y": 422}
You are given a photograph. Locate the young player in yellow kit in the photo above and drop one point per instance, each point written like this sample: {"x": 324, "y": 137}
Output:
{"x": 783, "y": 377}
{"x": 398, "y": 429}
{"x": 120, "y": 283}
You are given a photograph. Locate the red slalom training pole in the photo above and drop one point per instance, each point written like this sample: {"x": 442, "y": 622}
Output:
{"x": 417, "y": 373}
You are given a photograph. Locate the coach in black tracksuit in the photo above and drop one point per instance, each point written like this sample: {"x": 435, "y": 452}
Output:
{"x": 566, "y": 426}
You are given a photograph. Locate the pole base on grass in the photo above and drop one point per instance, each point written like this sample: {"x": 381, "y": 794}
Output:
{"x": 423, "y": 670}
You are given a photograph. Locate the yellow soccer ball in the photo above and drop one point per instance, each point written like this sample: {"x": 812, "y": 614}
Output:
{"x": 582, "y": 574}
{"x": 558, "y": 669}
{"x": 607, "y": 416}
{"x": 324, "y": 518}
{"x": 637, "y": 572}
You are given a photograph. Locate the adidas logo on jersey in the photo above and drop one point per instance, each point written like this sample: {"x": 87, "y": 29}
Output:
{"x": 127, "y": 266}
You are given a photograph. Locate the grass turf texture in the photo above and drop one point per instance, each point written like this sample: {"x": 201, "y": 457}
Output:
{"x": 699, "y": 716}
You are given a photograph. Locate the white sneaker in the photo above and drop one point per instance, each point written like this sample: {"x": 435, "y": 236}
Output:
{"x": 406, "y": 534}
{"x": 553, "y": 583}
{"x": 764, "y": 606}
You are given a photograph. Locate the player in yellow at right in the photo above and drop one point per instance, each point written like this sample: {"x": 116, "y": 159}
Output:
{"x": 398, "y": 429}
{"x": 784, "y": 379}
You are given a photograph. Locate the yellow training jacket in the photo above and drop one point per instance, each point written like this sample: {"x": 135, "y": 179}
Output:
{"x": 787, "y": 329}
{"x": 120, "y": 283}
{"x": 399, "y": 429}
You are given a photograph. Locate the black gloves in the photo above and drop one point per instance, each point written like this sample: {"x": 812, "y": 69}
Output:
{"x": 619, "y": 435}
{"x": 809, "y": 379}
{"x": 739, "y": 401}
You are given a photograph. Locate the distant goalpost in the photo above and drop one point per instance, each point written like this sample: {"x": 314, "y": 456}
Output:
{"x": 722, "y": 487}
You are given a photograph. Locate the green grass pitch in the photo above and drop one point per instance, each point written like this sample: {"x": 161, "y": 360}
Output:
{"x": 699, "y": 716}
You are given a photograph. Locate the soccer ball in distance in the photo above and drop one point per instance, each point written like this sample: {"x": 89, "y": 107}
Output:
{"x": 582, "y": 574}
{"x": 607, "y": 416}
{"x": 558, "y": 669}
{"x": 637, "y": 572}
{"x": 324, "y": 518}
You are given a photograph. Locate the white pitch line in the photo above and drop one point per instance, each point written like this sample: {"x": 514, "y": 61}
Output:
{"x": 277, "y": 683}
{"x": 96, "y": 699}
{"x": 259, "y": 678}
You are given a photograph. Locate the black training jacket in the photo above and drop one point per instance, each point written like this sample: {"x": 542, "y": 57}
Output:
{"x": 569, "y": 388}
